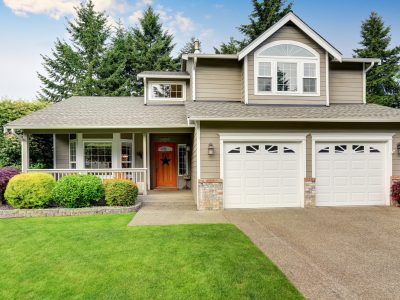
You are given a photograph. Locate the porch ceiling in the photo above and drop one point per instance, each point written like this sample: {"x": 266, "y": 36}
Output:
{"x": 103, "y": 112}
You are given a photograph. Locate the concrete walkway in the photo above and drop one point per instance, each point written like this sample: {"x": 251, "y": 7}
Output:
{"x": 173, "y": 208}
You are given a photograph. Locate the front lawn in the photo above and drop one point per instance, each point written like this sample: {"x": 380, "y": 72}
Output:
{"x": 99, "y": 257}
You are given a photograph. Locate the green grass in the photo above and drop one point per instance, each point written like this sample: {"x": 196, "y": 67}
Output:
{"x": 99, "y": 257}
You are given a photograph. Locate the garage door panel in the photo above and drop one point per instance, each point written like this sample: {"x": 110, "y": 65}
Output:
{"x": 270, "y": 173}
{"x": 349, "y": 174}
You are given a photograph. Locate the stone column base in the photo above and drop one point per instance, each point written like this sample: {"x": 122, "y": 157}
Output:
{"x": 210, "y": 194}
{"x": 393, "y": 180}
{"x": 309, "y": 192}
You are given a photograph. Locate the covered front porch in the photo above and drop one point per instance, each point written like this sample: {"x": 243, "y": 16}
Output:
{"x": 153, "y": 159}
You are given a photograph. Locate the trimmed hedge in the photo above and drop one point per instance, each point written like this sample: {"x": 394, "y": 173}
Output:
{"x": 120, "y": 192}
{"x": 5, "y": 175}
{"x": 78, "y": 191}
{"x": 30, "y": 190}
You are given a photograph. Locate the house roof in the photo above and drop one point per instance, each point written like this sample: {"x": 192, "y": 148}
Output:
{"x": 236, "y": 111}
{"x": 291, "y": 17}
{"x": 103, "y": 112}
{"x": 164, "y": 74}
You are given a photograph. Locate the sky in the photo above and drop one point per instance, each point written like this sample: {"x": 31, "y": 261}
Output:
{"x": 28, "y": 28}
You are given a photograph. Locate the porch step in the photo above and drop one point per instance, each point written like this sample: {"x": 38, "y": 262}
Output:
{"x": 169, "y": 199}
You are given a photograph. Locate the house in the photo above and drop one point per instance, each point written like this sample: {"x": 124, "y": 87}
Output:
{"x": 283, "y": 123}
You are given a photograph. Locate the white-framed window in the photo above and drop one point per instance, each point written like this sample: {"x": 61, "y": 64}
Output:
{"x": 72, "y": 154}
{"x": 126, "y": 154}
{"x": 97, "y": 154}
{"x": 287, "y": 67}
{"x": 172, "y": 90}
{"x": 182, "y": 160}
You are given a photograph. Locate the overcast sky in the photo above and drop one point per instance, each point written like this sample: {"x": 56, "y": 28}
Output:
{"x": 29, "y": 28}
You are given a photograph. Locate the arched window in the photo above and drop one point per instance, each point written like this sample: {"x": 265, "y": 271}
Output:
{"x": 286, "y": 67}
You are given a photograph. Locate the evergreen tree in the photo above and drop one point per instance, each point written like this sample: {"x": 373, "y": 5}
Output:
{"x": 383, "y": 82}
{"x": 72, "y": 69}
{"x": 265, "y": 14}
{"x": 232, "y": 47}
{"x": 152, "y": 48}
{"x": 117, "y": 69}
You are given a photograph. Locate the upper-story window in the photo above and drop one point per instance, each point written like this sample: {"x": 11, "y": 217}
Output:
{"x": 286, "y": 67}
{"x": 167, "y": 91}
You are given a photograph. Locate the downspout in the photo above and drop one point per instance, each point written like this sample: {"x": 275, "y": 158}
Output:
{"x": 365, "y": 70}
{"x": 194, "y": 78}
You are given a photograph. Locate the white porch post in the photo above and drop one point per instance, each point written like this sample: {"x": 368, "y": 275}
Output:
{"x": 116, "y": 150}
{"x": 145, "y": 162}
{"x": 25, "y": 152}
{"x": 79, "y": 152}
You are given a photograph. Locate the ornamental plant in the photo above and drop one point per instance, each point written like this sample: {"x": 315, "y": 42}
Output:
{"x": 120, "y": 192}
{"x": 30, "y": 190}
{"x": 5, "y": 175}
{"x": 78, "y": 191}
{"x": 396, "y": 192}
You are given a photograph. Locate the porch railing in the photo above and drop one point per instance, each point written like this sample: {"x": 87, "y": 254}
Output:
{"x": 137, "y": 175}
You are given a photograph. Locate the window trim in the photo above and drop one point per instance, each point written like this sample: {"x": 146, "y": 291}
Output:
{"x": 70, "y": 162}
{"x": 300, "y": 61}
{"x": 186, "y": 159}
{"x": 152, "y": 98}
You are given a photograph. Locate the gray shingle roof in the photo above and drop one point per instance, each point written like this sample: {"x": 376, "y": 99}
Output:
{"x": 130, "y": 112}
{"x": 104, "y": 112}
{"x": 213, "y": 110}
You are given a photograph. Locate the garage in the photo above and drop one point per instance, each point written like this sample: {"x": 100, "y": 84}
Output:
{"x": 262, "y": 175}
{"x": 350, "y": 173}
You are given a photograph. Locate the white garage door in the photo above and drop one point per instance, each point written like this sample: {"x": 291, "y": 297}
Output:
{"x": 350, "y": 174}
{"x": 258, "y": 175}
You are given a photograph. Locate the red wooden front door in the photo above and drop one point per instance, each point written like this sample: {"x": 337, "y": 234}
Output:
{"x": 165, "y": 165}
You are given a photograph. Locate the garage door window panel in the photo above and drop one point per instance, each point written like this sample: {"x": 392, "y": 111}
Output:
{"x": 252, "y": 148}
{"x": 271, "y": 149}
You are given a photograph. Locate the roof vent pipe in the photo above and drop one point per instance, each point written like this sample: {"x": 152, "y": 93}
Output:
{"x": 196, "y": 46}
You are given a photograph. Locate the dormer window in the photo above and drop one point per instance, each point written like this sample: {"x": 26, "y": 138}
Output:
{"x": 175, "y": 91}
{"x": 288, "y": 68}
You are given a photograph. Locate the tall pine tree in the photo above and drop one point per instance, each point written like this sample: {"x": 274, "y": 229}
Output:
{"x": 265, "y": 14}
{"x": 117, "y": 70}
{"x": 72, "y": 68}
{"x": 383, "y": 82}
{"x": 152, "y": 48}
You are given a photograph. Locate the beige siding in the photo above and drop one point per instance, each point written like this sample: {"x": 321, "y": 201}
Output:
{"x": 62, "y": 151}
{"x": 138, "y": 149}
{"x": 346, "y": 83}
{"x": 210, "y": 165}
{"x": 289, "y": 32}
{"x": 189, "y": 65}
{"x": 219, "y": 80}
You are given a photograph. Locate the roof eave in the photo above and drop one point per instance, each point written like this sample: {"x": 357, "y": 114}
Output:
{"x": 302, "y": 25}
{"x": 163, "y": 76}
{"x": 296, "y": 120}
{"x": 31, "y": 127}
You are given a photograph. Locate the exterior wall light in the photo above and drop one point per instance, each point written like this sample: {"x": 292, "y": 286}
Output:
{"x": 398, "y": 148}
{"x": 211, "y": 149}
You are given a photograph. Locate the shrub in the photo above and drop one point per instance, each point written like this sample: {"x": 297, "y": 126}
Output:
{"x": 78, "y": 191}
{"x": 30, "y": 190}
{"x": 120, "y": 192}
{"x": 396, "y": 191}
{"x": 5, "y": 175}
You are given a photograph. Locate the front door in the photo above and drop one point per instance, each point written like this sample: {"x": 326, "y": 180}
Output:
{"x": 165, "y": 165}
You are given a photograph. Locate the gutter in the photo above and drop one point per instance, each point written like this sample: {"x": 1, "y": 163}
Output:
{"x": 13, "y": 127}
{"x": 297, "y": 120}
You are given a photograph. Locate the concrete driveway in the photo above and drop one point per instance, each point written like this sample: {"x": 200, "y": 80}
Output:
{"x": 330, "y": 253}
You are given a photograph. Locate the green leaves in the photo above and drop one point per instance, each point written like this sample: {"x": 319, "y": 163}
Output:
{"x": 97, "y": 62}
{"x": 383, "y": 85}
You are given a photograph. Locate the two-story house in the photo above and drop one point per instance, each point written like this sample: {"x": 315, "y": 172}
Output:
{"x": 283, "y": 123}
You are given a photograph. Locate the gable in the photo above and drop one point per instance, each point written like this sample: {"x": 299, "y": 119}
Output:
{"x": 290, "y": 32}
{"x": 307, "y": 30}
